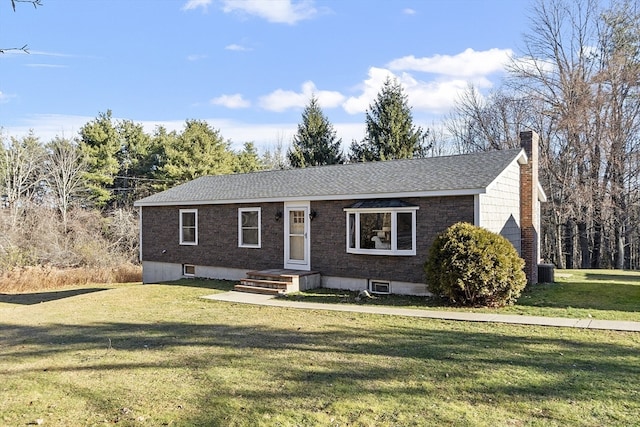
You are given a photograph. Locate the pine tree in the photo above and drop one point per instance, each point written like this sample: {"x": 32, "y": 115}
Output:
{"x": 200, "y": 150}
{"x": 247, "y": 160}
{"x": 391, "y": 133}
{"x": 100, "y": 144}
{"x": 138, "y": 161}
{"x": 315, "y": 143}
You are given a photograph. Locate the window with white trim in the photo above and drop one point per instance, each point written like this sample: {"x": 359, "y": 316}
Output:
{"x": 380, "y": 286}
{"x": 188, "y": 226}
{"x": 188, "y": 270}
{"x": 381, "y": 230}
{"x": 249, "y": 229}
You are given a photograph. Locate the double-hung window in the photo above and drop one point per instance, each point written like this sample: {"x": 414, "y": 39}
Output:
{"x": 188, "y": 226}
{"x": 381, "y": 228}
{"x": 249, "y": 220}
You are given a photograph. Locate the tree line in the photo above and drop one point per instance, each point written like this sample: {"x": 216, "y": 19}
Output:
{"x": 577, "y": 83}
{"x": 63, "y": 184}
{"x": 114, "y": 162}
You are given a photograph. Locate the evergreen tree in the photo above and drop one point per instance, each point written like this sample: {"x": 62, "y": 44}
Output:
{"x": 199, "y": 150}
{"x": 137, "y": 159}
{"x": 248, "y": 159}
{"x": 391, "y": 133}
{"x": 161, "y": 139}
{"x": 100, "y": 144}
{"x": 315, "y": 143}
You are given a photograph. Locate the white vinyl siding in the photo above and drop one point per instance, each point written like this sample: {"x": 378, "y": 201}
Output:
{"x": 499, "y": 207}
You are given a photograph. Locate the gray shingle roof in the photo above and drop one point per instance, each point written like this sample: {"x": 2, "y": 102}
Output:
{"x": 461, "y": 174}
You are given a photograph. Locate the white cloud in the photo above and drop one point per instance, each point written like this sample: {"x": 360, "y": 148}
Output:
{"x": 281, "y": 100}
{"x": 48, "y": 126}
{"x": 56, "y": 54}
{"x": 196, "y": 57}
{"x": 409, "y": 11}
{"x": 434, "y": 96}
{"x": 348, "y": 132}
{"x": 267, "y": 135}
{"x": 194, "y": 4}
{"x": 437, "y": 96}
{"x": 4, "y": 98}
{"x": 465, "y": 64}
{"x": 531, "y": 65}
{"x": 369, "y": 88}
{"x": 231, "y": 101}
{"x": 46, "y": 66}
{"x": 237, "y": 47}
{"x": 276, "y": 11}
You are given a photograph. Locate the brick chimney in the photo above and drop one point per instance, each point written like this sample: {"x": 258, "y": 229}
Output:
{"x": 530, "y": 207}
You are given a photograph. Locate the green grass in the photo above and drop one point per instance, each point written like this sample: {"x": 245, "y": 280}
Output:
{"x": 161, "y": 355}
{"x": 597, "y": 294}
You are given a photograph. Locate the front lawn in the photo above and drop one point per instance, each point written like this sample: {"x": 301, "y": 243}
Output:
{"x": 161, "y": 355}
{"x": 597, "y": 294}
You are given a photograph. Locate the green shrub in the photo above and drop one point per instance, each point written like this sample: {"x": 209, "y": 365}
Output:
{"x": 472, "y": 266}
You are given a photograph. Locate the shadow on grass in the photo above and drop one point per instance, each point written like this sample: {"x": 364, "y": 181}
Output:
{"x": 580, "y": 295}
{"x": 620, "y": 276}
{"x": 586, "y": 295}
{"x": 335, "y": 363}
{"x": 38, "y": 297}
{"x": 336, "y": 296}
{"x": 216, "y": 284}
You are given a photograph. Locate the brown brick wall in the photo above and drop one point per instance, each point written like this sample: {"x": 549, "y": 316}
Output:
{"x": 218, "y": 238}
{"x": 529, "y": 212}
{"x": 328, "y": 249}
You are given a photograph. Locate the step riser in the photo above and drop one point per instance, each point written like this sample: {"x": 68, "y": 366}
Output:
{"x": 258, "y": 290}
{"x": 264, "y": 284}
{"x": 267, "y": 277}
{"x": 279, "y": 281}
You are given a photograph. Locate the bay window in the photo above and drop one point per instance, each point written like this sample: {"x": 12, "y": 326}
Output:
{"x": 386, "y": 227}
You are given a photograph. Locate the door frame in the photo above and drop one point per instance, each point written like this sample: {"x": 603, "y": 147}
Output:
{"x": 304, "y": 264}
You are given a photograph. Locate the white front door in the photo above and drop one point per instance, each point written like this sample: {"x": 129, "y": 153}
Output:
{"x": 296, "y": 236}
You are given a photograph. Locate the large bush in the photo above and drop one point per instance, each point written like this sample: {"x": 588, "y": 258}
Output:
{"x": 472, "y": 266}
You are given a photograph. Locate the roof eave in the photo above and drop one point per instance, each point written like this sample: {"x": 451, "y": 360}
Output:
{"x": 332, "y": 197}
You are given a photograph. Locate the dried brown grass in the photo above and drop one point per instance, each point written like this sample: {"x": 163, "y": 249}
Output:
{"x": 25, "y": 279}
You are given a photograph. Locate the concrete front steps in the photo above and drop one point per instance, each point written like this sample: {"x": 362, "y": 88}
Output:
{"x": 278, "y": 281}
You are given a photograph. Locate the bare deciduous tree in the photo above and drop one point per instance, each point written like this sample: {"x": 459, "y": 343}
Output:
{"x": 578, "y": 84}
{"x": 21, "y": 170}
{"x": 63, "y": 168}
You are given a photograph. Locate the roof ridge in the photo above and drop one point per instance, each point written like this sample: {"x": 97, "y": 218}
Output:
{"x": 378, "y": 162}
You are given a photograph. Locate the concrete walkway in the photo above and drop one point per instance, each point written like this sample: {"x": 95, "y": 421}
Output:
{"x": 269, "y": 300}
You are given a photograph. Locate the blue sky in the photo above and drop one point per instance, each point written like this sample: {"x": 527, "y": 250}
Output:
{"x": 248, "y": 67}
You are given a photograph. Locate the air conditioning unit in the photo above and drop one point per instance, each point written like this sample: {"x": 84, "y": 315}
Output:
{"x": 379, "y": 287}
